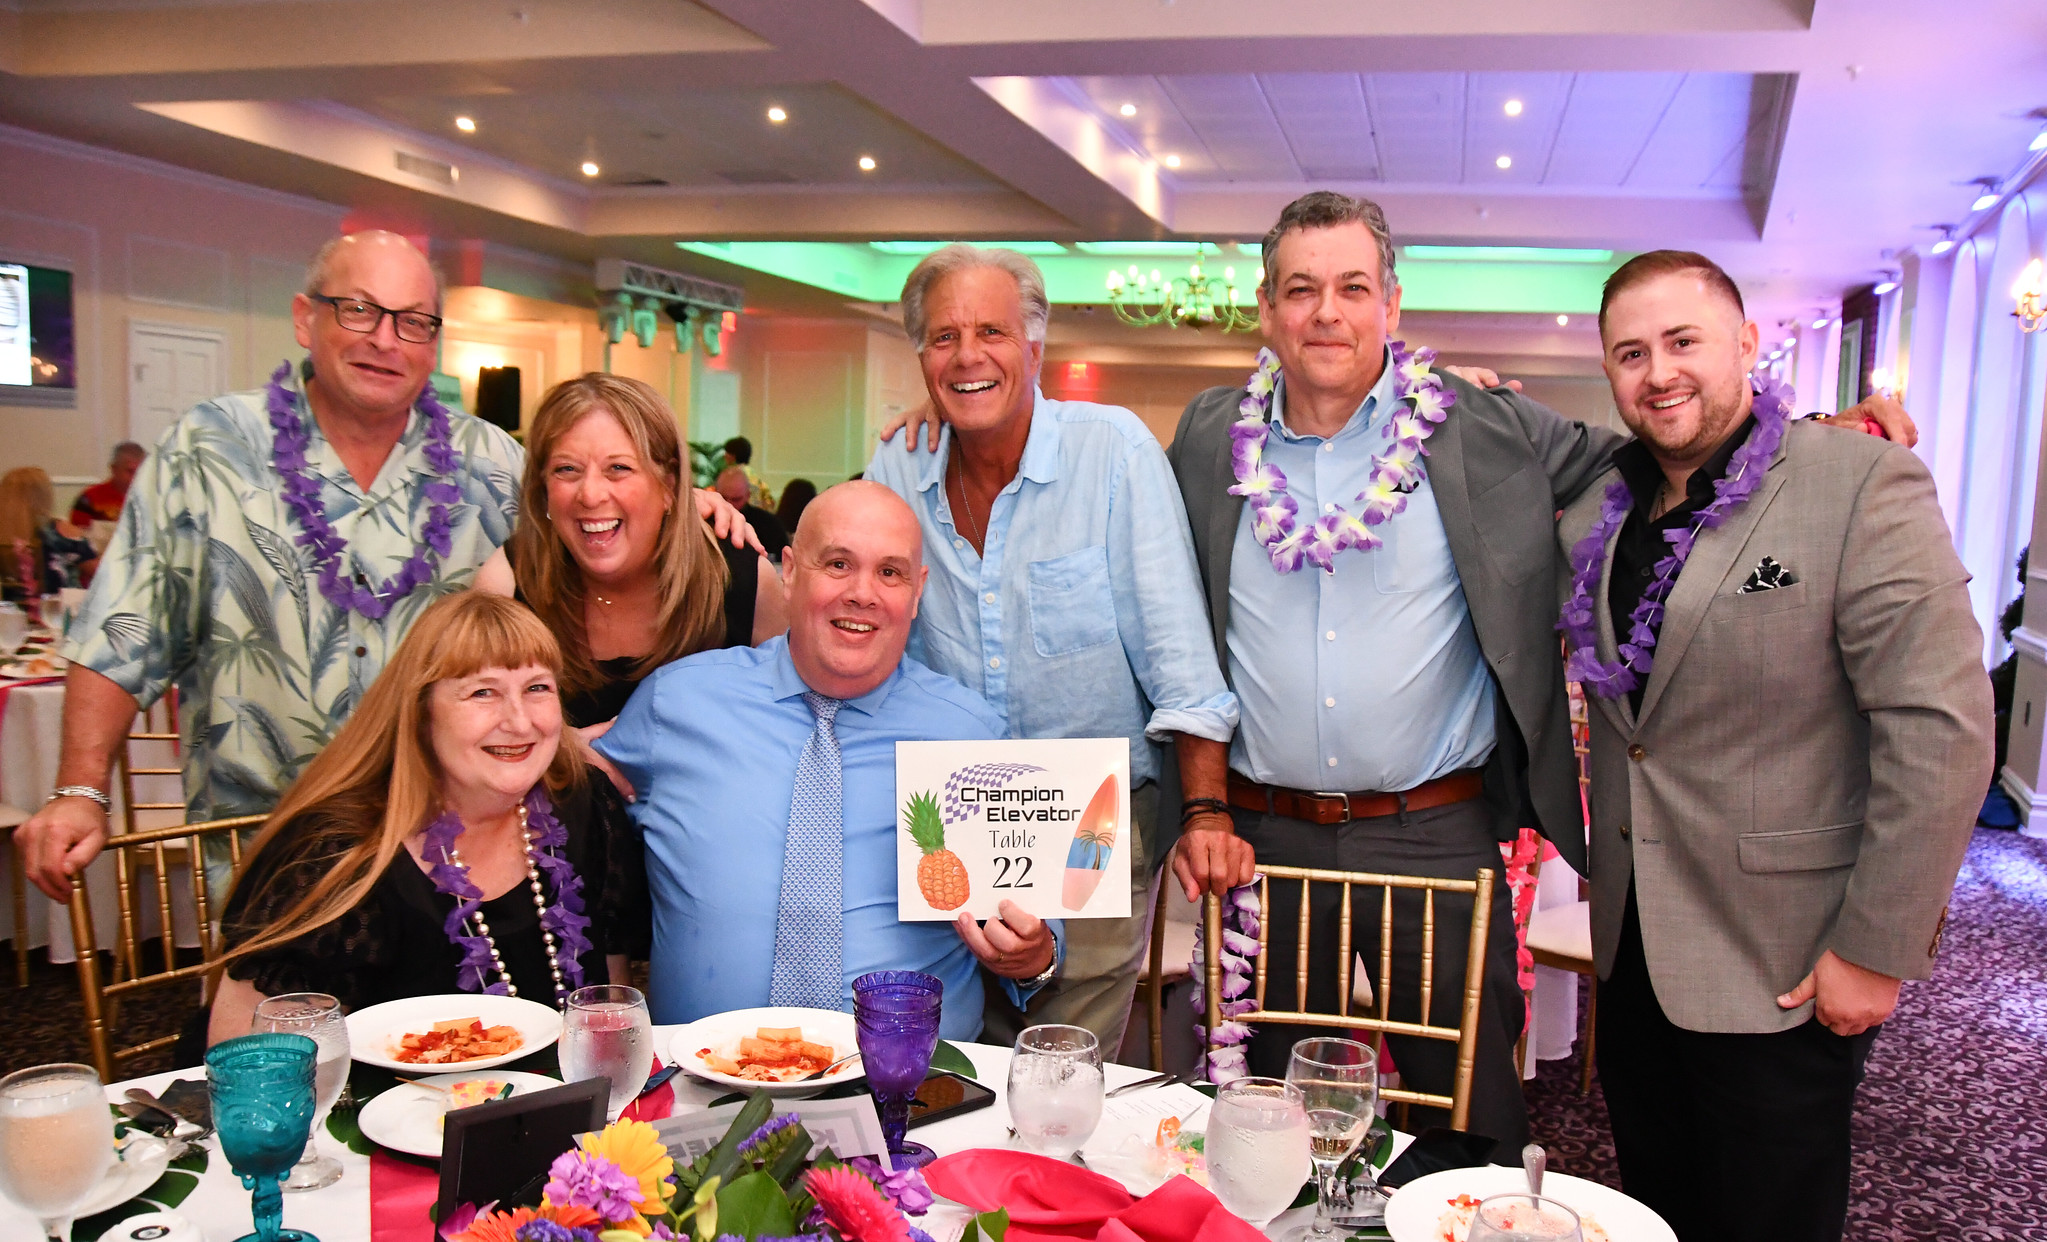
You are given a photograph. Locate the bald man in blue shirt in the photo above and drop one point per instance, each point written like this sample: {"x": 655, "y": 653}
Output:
{"x": 766, "y": 780}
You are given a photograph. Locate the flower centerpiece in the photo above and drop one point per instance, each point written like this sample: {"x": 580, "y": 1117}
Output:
{"x": 758, "y": 1184}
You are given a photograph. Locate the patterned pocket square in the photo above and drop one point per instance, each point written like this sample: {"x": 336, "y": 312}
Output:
{"x": 1768, "y": 575}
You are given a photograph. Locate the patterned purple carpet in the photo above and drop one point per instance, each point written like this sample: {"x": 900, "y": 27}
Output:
{"x": 1951, "y": 1123}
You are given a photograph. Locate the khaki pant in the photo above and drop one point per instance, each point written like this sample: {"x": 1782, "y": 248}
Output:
{"x": 1096, "y": 985}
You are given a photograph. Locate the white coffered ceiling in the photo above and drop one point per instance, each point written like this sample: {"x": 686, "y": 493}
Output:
{"x": 1802, "y": 142}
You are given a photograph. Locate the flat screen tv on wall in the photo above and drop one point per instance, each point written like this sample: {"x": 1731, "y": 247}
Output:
{"x": 37, "y": 347}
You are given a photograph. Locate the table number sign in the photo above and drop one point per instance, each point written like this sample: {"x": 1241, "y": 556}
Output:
{"x": 1044, "y": 823}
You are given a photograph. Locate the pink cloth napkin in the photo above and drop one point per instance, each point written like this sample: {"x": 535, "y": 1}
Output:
{"x": 655, "y": 1105}
{"x": 402, "y": 1198}
{"x": 1052, "y": 1201}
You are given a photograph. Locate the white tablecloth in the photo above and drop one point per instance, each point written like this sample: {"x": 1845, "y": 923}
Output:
{"x": 1554, "y": 1028}
{"x": 341, "y": 1212}
{"x": 31, "y": 732}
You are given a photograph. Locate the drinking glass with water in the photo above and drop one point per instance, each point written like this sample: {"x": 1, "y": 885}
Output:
{"x": 607, "y": 1033}
{"x": 1257, "y": 1147}
{"x": 56, "y": 1141}
{"x": 1055, "y": 1088}
{"x": 317, "y": 1016}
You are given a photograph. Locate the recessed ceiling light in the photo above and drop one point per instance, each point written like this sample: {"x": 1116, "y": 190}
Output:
{"x": 1817, "y": 324}
{"x": 1513, "y": 107}
{"x": 1944, "y": 245}
{"x": 1984, "y": 201}
{"x": 866, "y": 163}
{"x": 777, "y": 114}
{"x": 1885, "y": 287}
{"x": 466, "y": 124}
{"x": 1172, "y": 161}
{"x": 1563, "y": 321}
{"x": 1790, "y": 342}
{"x": 1505, "y": 161}
{"x": 590, "y": 168}
{"x": 2039, "y": 142}
{"x": 1128, "y": 109}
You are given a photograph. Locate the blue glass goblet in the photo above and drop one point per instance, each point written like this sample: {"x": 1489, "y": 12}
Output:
{"x": 262, "y": 1091}
{"x": 895, "y": 1013}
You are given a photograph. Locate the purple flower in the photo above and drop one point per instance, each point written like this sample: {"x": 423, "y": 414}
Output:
{"x": 578, "y": 1179}
{"x": 549, "y": 1231}
{"x": 768, "y": 1129}
{"x": 905, "y": 1189}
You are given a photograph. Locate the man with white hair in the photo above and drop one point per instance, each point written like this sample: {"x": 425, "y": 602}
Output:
{"x": 1063, "y": 590}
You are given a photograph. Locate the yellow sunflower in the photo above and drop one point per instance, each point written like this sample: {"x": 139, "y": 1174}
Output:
{"x": 637, "y": 1150}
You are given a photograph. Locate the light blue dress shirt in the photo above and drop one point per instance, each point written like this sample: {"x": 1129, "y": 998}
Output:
{"x": 1370, "y": 677}
{"x": 710, "y": 742}
{"x": 1083, "y": 616}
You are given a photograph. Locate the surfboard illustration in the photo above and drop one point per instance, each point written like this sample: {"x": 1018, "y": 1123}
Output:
{"x": 1094, "y": 839}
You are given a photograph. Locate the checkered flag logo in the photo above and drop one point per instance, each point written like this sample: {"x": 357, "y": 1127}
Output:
{"x": 984, "y": 775}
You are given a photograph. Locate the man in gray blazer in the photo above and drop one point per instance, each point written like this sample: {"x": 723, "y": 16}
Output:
{"x": 1404, "y": 712}
{"x": 1787, "y": 757}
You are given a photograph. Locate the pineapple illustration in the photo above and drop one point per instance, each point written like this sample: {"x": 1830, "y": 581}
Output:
{"x": 941, "y": 876}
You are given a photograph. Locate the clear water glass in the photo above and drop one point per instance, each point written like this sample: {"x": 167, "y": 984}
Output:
{"x": 1055, "y": 1089}
{"x": 317, "y": 1016}
{"x": 13, "y": 628}
{"x": 1339, "y": 1082}
{"x": 56, "y": 1141}
{"x": 50, "y": 614}
{"x": 1257, "y": 1147}
{"x": 261, "y": 1088}
{"x": 607, "y": 1033}
{"x": 1522, "y": 1217}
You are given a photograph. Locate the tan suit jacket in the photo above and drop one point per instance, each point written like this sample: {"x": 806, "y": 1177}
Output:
{"x": 1808, "y": 761}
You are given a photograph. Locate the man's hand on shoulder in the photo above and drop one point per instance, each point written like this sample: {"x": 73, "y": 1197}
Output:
{"x": 1850, "y": 998}
{"x": 58, "y": 841}
{"x": 1482, "y": 377}
{"x": 924, "y": 417}
{"x": 1018, "y": 945}
{"x": 1211, "y": 857}
{"x": 1883, "y": 410}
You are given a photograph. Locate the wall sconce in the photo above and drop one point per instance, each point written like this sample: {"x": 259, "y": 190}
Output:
{"x": 2030, "y": 292}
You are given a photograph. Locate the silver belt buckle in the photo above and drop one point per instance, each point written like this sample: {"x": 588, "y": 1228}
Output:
{"x": 1342, "y": 797}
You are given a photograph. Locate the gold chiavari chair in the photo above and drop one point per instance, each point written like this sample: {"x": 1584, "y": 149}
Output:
{"x": 12, "y": 817}
{"x": 155, "y": 851}
{"x": 1380, "y": 1023}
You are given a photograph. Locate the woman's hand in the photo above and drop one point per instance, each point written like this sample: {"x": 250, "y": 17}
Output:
{"x": 726, "y": 521}
{"x": 923, "y": 417}
{"x": 583, "y": 739}
{"x": 770, "y": 602}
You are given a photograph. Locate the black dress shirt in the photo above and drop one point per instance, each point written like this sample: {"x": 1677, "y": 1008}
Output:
{"x": 1641, "y": 543}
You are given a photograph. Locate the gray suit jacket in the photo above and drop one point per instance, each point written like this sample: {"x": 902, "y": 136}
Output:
{"x": 1501, "y": 466}
{"x": 1808, "y": 760}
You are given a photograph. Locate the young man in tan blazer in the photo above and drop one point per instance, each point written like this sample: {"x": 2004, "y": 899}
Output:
{"x": 1787, "y": 757}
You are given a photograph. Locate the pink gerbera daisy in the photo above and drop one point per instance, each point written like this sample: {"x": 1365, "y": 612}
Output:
{"x": 854, "y": 1207}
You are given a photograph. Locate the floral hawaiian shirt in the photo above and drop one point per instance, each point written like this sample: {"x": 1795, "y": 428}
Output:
{"x": 206, "y": 587}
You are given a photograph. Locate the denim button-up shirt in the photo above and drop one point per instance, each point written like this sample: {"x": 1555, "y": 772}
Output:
{"x": 1083, "y": 616}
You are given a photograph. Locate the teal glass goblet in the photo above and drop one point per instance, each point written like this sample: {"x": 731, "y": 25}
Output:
{"x": 263, "y": 1103}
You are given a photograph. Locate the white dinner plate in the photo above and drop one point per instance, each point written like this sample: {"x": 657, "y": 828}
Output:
{"x": 374, "y": 1033}
{"x": 1412, "y": 1213}
{"x": 137, "y": 1165}
{"x": 407, "y": 1118}
{"x": 721, "y": 1032}
{"x": 30, "y": 666}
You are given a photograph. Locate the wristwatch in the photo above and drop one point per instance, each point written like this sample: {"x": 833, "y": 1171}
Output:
{"x": 81, "y": 791}
{"x": 1043, "y": 977}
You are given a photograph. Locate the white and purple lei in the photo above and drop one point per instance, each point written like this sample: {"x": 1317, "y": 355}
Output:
{"x": 1225, "y": 1062}
{"x": 302, "y": 497}
{"x": 1395, "y": 473}
{"x": 1745, "y": 471}
{"x": 564, "y": 918}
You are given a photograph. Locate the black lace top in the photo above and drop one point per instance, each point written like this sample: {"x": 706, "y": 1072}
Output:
{"x": 392, "y": 945}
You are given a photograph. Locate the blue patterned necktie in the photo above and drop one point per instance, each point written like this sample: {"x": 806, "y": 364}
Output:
{"x": 808, "y": 922}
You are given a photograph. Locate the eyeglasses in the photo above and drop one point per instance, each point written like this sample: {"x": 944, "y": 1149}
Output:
{"x": 357, "y": 315}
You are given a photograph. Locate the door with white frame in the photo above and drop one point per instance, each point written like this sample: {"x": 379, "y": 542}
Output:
{"x": 171, "y": 368}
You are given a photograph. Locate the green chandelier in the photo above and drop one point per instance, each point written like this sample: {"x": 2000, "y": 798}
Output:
{"x": 1196, "y": 300}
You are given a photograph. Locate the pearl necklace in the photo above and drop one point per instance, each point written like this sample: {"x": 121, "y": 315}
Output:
{"x": 454, "y": 858}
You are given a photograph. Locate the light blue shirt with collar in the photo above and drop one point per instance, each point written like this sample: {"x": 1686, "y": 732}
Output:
{"x": 711, "y": 743}
{"x": 1083, "y": 616}
{"x": 1368, "y": 678}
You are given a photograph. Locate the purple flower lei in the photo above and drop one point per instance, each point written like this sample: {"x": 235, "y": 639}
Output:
{"x": 302, "y": 496}
{"x": 1395, "y": 472}
{"x": 1240, "y": 913}
{"x": 564, "y": 918}
{"x": 1745, "y": 471}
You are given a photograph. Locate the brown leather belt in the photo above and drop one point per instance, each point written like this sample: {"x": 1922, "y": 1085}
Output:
{"x": 1340, "y": 808}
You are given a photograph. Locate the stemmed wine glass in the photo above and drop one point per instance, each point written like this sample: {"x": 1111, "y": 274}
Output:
{"x": 607, "y": 1033}
{"x": 13, "y": 628}
{"x": 1055, "y": 1088}
{"x": 1257, "y": 1147}
{"x": 1339, "y": 1082}
{"x": 56, "y": 1141}
{"x": 317, "y": 1016}
{"x": 1522, "y": 1217}
{"x": 262, "y": 1092}
{"x": 895, "y": 1016}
